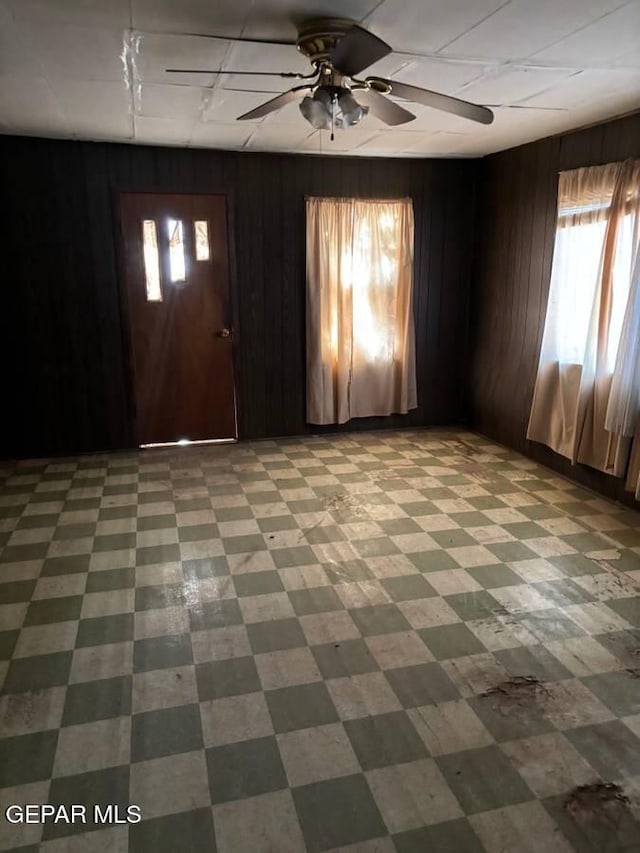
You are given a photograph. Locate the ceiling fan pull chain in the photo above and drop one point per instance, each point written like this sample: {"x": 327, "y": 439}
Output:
{"x": 333, "y": 113}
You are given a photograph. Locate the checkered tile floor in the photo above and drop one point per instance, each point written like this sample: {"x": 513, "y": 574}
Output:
{"x": 284, "y": 646}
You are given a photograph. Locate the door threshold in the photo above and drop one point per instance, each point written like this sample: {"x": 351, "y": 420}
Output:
{"x": 185, "y": 442}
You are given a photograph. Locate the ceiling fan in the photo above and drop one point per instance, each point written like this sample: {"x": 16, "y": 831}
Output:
{"x": 333, "y": 95}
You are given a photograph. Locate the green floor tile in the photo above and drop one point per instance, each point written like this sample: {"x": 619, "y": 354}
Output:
{"x": 37, "y": 672}
{"x": 451, "y": 641}
{"x": 97, "y": 700}
{"x": 453, "y": 836}
{"x": 385, "y": 739}
{"x": 27, "y": 758}
{"x": 424, "y": 684}
{"x": 245, "y": 769}
{"x": 167, "y": 731}
{"x": 300, "y": 707}
{"x": 483, "y": 779}
{"x": 354, "y": 813}
{"x": 102, "y": 788}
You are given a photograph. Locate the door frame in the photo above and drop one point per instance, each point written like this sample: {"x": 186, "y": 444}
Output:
{"x": 123, "y": 296}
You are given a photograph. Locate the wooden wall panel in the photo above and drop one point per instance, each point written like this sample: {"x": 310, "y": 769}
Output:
{"x": 63, "y": 338}
{"x": 516, "y": 209}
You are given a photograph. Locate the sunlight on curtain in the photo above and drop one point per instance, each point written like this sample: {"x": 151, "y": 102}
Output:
{"x": 576, "y": 263}
{"x": 623, "y": 411}
{"x": 360, "y": 335}
{"x": 577, "y": 254}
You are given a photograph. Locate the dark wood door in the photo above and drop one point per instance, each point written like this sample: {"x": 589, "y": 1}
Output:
{"x": 176, "y": 271}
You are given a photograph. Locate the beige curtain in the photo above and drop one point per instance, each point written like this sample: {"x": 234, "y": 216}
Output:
{"x": 360, "y": 333}
{"x": 633, "y": 473}
{"x": 590, "y": 304}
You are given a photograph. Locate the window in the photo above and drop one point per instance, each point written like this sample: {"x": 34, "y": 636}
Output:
{"x": 372, "y": 285}
{"x": 151, "y": 260}
{"x": 586, "y": 401}
{"x": 360, "y": 336}
{"x": 177, "y": 269}
{"x": 201, "y": 239}
{"x": 577, "y": 264}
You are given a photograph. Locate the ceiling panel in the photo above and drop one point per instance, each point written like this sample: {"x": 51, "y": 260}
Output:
{"x": 225, "y": 106}
{"x": 88, "y": 13}
{"x": 389, "y": 65}
{"x": 268, "y": 137}
{"x": 27, "y": 105}
{"x": 196, "y": 17}
{"x": 424, "y": 26}
{"x": 440, "y": 75}
{"x": 513, "y": 85}
{"x": 630, "y": 59}
{"x": 510, "y": 127}
{"x": 173, "y": 102}
{"x": 221, "y": 135}
{"x": 549, "y": 123}
{"x": 277, "y": 19}
{"x": 17, "y": 55}
{"x": 613, "y": 36}
{"x": 399, "y": 140}
{"x": 344, "y": 141}
{"x": 162, "y": 131}
{"x": 79, "y": 53}
{"x": 258, "y": 57}
{"x": 522, "y": 27}
{"x": 439, "y": 144}
{"x": 157, "y": 52}
{"x": 95, "y": 110}
{"x": 589, "y": 86}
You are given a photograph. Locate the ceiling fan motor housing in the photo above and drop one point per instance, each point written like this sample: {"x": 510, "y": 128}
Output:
{"x": 318, "y": 37}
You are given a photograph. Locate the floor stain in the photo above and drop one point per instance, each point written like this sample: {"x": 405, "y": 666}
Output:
{"x": 600, "y": 801}
{"x": 477, "y": 471}
{"x": 22, "y": 708}
{"x": 621, "y": 579}
{"x": 516, "y": 693}
{"x": 343, "y": 502}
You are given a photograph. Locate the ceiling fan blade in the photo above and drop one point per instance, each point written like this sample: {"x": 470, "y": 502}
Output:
{"x": 294, "y": 74}
{"x": 523, "y": 107}
{"x": 357, "y": 50}
{"x": 241, "y": 39}
{"x": 383, "y": 108}
{"x": 464, "y": 109}
{"x": 276, "y": 103}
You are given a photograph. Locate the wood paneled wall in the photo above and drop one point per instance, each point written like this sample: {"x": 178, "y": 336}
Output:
{"x": 516, "y": 209}
{"x": 62, "y": 342}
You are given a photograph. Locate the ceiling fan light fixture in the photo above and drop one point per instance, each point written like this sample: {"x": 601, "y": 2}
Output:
{"x": 348, "y": 111}
{"x": 326, "y": 107}
{"x": 317, "y": 109}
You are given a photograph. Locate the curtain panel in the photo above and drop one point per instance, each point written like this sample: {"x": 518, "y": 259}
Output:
{"x": 360, "y": 330}
{"x": 586, "y": 402}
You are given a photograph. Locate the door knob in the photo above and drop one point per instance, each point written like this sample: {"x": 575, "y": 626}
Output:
{"x": 224, "y": 333}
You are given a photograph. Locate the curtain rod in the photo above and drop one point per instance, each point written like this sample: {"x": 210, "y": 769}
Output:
{"x": 358, "y": 198}
{"x": 601, "y": 165}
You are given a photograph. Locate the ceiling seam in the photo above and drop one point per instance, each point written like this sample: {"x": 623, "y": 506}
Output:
{"x": 586, "y": 26}
{"x": 372, "y": 11}
{"x": 477, "y": 24}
